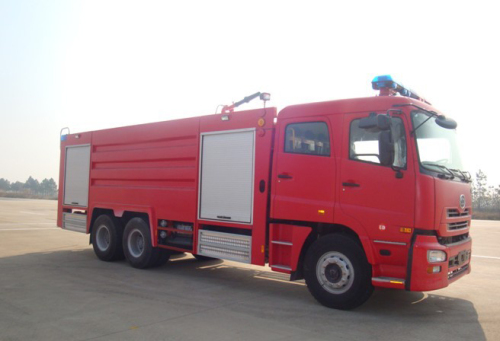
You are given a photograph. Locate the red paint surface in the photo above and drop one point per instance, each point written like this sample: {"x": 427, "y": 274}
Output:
{"x": 154, "y": 168}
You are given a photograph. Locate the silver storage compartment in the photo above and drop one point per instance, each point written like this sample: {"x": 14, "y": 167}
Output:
{"x": 225, "y": 246}
{"x": 75, "y": 222}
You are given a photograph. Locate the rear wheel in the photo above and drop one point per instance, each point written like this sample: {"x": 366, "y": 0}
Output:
{"x": 137, "y": 245}
{"x": 107, "y": 238}
{"x": 163, "y": 257}
{"x": 337, "y": 272}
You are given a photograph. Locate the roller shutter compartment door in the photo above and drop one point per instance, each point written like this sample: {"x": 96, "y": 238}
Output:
{"x": 227, "y": 172}
{"x": 76, "y": 177}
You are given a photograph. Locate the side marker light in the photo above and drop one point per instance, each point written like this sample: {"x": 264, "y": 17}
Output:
{"x": 434, "y": 269}
{"x": 396, "y": 282}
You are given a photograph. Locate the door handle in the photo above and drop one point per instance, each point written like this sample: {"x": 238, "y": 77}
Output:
{"x": 284, "y": 176}
{"x": 350, "y": 184}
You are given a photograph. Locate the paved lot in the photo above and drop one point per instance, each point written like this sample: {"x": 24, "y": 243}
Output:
{"x": 52, "y": 287}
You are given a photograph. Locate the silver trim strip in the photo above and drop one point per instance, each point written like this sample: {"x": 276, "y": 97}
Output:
{"x": 282, "y": 267}
{"x": 281, "y": 243}
{"x": 387, "y": 279}
{"x": 391, "y": 243}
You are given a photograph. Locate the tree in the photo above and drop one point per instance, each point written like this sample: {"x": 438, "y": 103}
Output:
{"x": 495, "y": 198}
{"x": 32, "y": 185}
{"x": 4, "y": 184}
{"x": 17, "y": 186}
{"x": 48, "y": 187}
{"x": 480, "y": 191}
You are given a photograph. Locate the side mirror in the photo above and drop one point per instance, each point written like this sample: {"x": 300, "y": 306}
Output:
{"x": 376, "y": 122}
{"x": 386, "y": 148}
{"x": 446, "y": 123}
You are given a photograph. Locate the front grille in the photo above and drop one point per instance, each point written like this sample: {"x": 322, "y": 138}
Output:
{"x": 453, "y": 213}
{"x": 458, "y": 226}
{"x": 458, "y": 271}
{"x": 461, "y": 258}
{"x": 453, "y": 239}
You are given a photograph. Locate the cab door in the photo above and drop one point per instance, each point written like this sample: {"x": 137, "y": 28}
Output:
{"x": 303, "y": 178}
{"x": 381, "y": 198}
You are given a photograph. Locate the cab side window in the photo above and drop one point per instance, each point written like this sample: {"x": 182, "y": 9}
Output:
{"x": 366, "y": 144}
{"x": 309, "y": 138}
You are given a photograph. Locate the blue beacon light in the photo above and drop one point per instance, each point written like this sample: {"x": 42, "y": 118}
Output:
{"x": 389, "y": 86}
{"x": 385, "y": 81}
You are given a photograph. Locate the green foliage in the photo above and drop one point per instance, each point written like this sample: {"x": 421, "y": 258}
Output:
{"x": 485, "y": 198}
{"x": 4, "y": 184}
{"x": 480, "y": 191}
{"x": 16, "y": 186}
{"x": 32, "y": 187}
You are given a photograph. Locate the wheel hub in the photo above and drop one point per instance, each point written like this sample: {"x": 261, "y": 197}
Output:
{"x": 136, "y": 243}
{"x": 103, "y": 237}
{"x": 335, "y": 272}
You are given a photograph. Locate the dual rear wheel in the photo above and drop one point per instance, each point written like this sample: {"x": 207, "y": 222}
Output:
{"x": 112, "y": 242}
{"x": 137, "y": 246}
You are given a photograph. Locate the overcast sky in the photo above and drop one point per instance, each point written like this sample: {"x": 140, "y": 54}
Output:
{"x": 99, "y": 64}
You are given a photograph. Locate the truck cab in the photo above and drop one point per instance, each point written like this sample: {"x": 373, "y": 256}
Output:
{"x": 386, "y": 174}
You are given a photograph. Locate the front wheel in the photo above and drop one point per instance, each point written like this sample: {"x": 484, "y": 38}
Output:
{"x": 337, "y": 272}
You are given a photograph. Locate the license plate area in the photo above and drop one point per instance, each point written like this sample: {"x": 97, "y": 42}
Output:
{"x": 462, "y": 258}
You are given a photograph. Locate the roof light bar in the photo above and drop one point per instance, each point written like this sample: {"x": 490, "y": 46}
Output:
{"x": 389, "y": 87}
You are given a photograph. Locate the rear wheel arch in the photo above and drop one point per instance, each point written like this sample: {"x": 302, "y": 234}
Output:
{"x": 96, "y": 212}
{"x": 124, "y": 216}
{"x": 146, "y": 216}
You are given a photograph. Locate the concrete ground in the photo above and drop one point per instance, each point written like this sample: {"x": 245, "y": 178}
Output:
{"x": 52, "y": 287}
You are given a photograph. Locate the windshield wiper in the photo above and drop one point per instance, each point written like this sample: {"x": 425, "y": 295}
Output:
{"x": 443, "y": 175}
{"x": 464, "y": 176}
{"x": 431, "y": 113}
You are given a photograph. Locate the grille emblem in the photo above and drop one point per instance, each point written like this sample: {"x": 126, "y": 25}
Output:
{"x": 462, "y": 201}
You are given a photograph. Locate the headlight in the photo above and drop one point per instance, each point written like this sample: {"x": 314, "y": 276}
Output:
{"x": 435, "y": 256}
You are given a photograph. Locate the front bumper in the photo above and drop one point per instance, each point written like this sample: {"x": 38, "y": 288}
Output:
{"x": 456, "y": 265}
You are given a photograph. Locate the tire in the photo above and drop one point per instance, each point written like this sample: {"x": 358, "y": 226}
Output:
{"x": 137, "y": 245}
{"x": 163, "y": 257}
{"x": 337, "y": 273}
{"x": 106, "y": 237}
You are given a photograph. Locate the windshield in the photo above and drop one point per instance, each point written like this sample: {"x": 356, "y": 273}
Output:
{"x": 437, "y": 146}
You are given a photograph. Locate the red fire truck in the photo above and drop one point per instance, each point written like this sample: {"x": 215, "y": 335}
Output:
{"x": 348, "y": 194}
